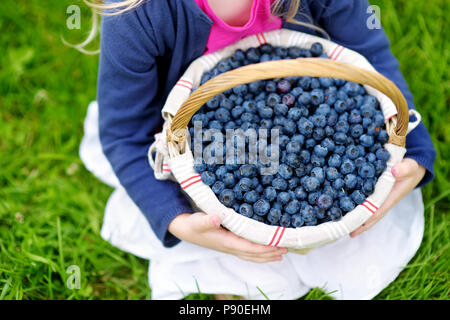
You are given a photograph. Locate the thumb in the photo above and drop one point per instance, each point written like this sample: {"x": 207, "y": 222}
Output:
{"x": 204, "y": 222}
{"x": 404, "y": 169}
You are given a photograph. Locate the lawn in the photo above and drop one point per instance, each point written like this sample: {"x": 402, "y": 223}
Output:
{"x": 51, "y": 208}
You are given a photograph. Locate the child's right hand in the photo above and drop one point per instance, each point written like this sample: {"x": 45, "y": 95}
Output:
{"x": 205, "y": 230}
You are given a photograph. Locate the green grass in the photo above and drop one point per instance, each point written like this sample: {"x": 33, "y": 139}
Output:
{"x": 51, "y": 208}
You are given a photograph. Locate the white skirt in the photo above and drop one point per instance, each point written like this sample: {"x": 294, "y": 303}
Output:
{"x": 350, "y": 268}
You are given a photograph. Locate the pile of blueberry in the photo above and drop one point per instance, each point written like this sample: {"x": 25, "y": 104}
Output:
{"x": 331, "y": 137}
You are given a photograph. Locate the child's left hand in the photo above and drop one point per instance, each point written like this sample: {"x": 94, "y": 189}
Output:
{"x": 408, "y": 174}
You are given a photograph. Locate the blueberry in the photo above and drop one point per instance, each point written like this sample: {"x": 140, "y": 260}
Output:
{"x": 305, "y": 126}
{"x": 332, "y": 173}
{"x": 383, "y": 137}
{"x": 280, "y": 109}
{"x": 251, "y": 196}
{"x": 292, "y": 207}
{"x": 279, "y": 184}
{"x": 300, "y": 193}
{"x": 310, "y": 143}
{"x": 311, "y": 184}
{"x": 274, "y": 215}
{"x": 382, "y": 154}
{"x": 366, "y": 140}
{"x": 334, "y": 160}
{"x": 346, "y": 204}
{"x": 358, "y": 197}
{"x": 356, "y": 130}
{"x": 340, "y": 106}
{"x": 283, "y": 197}
{"x": 318, "y": 173}
{"x": 227, "y": 197}
{"x": 367, "y": 171}
{"x": 350, "y": 181}
{"x": 355, "y": 117}
{"x": 293, "y": 147}
{"x": 218, "y": 187}
{"x": 220, "y": 172}
{"x": 245, "y": 184}
{"x": 305, "y": 156}
{"x": 334, "y": 213}
{"x": 266, "y": 180}
{"x": 289, "y": 127}
{"x": 270, "y": 193}
{"x": 228, "y": 180}
{"x": 352, "y": 152}
{"x": 317, "y": 96}
{"x": 368, "y": 186}
{"x": 338, "y": 184}
{"x": 284, "y": 171}
{"x": 307, "y": 213}
{"x": 270, "y": 86}
{"x": 285, "y": 220}
{"x": 359, "y": 162}
{"x": 208, "y": 178}
{"x": 320, "y": 151}
{"x": 261, "y": 207}
{"x": 317, "y": 161}
{"x": 248, "y": 170}
{"x": 328, "y": 143}
{"x": 293, "y": 160}
{"x": 246, "y": 210}
{"x": 324, "y": 201}
{"x": 273, "y": 99}
{"x": 347, "y": 166}
{"x": 265, "y": 112}
{"x": 294, "y": 113}
{"x": 342, "y": 126}
{"x": 304, "y": 98}
{"x": 316, "y": 49}
{"x": 200, "y": 167}
{"x": 283, "y": 86}
{"x": 340, "y": 138}
{"x": 297, "y": 221}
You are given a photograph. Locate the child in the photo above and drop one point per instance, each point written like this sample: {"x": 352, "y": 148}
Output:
{"x": 145, "y": 48}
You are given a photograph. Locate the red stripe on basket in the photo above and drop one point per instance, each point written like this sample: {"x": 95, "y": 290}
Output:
{"x": 257, "y": 38}
{"x": 185, "y": 81}
{"x": 338, "y": 53}
{"x": 190, "y": 184}
{"x": 264, "y": 38}
{"x": 279, "y": 238}
{"x": 167, "y": 170}
{"x": 332, "y": 53}
{"x": 368, "y": 208}
{"x": 182, "y": 85}
{"x": 193, "y": 177}
{"x": 273, "y": 238}
{"x": 370, "y": 203}
{"x": 391, "y": 117}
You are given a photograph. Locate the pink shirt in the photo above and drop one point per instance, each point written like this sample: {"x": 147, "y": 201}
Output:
{"x": 222, "y": 34}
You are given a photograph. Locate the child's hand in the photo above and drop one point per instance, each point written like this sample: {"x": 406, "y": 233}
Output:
{"x": 205, "y": 230}
{"x": 408, "y": 174}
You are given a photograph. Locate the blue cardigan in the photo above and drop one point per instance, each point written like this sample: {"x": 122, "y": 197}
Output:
{"x": 146, "y": 50}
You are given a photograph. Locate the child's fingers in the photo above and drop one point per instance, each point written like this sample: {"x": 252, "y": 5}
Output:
{"x": 201, "y": 222}
{"x": 243, "y": 246}
{"x": 404, "y": 169}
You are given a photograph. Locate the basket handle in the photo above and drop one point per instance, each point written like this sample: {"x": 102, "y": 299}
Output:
{"x": 313, "y": 67}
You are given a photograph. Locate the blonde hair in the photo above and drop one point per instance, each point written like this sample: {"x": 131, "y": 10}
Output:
{"x": 98, "y": 7}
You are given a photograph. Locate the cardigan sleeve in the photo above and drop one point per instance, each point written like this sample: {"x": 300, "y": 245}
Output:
{"x": 346, "y": 22}
{"x": 130, "y": 104}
